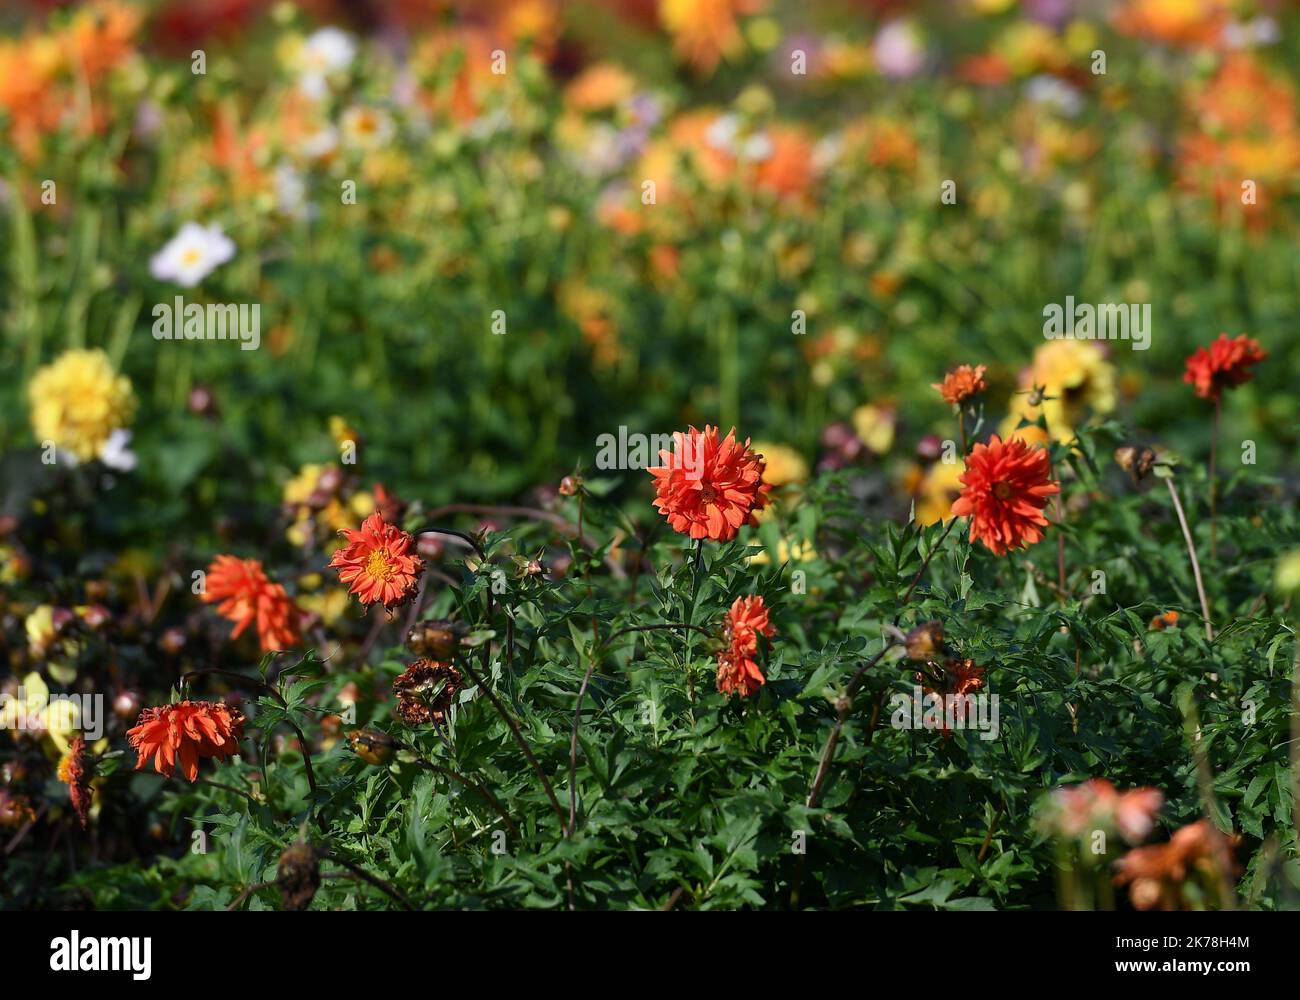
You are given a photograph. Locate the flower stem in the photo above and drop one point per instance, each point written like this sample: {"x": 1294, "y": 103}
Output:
{"x": 1214, "y": 481}
{"x": 1191, "y": 552}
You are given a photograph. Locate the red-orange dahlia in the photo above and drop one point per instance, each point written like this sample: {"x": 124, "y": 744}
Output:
{"x": 961, "y": 383}
{"x": 738, "y": 671}
{"x": 1222, "y": 365}
{"x": 1007, "y": 484}
{"x": 377, "y": 564}
{"x": 708, "y": 488}
{"x": 248, "y": 596}
{"x": 185, "y": 732}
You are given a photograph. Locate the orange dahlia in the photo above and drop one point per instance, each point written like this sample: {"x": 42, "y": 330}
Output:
{"x": 185, "y": 732}
{"x": 376, "y": 563}
{"x": 248, "y": 596}
{"x": 708, "y": 488}
{"x": 738, "y": 672}
{"x": 961, "y": 383}
{"x": 1007, "y": 484}
{"x": 1222, "y": 365}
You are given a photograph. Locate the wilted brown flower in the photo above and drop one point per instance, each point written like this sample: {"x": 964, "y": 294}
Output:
{"x": 75, "y": 771}
{"x": 298, "y": 876}
{"x": 1136, "y": 461}
{"x": 425, "y": 691}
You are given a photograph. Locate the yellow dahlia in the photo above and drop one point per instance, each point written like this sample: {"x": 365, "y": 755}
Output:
{"x": 78, "y": 401}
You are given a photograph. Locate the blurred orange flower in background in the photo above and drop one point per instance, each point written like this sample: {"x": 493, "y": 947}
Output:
{"x": 248, "y": 597}
{"x": 1225, "y": 364}
{"x": 705, "y": 31}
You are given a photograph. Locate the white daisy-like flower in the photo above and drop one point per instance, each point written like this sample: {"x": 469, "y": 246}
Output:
{"x": 320, "y": 143}
{"x": 291, "y": 192}
{"x": 326, "y": 51}
{"x": 192, "y": 254}
{"x": 366, "y": 128}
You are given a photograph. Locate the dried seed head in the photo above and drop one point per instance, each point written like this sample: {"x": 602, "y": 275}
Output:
{"x": 425, "y": 691}
{"x": 1136, "y": 460}
{"x": 298, "y": 876}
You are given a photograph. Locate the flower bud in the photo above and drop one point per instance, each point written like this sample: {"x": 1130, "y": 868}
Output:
{"x": 435, "y": 640}
{"x": 1136, "y": 461}
{"x": 924, "y": 641}
{"x": 372, "y": 746}
{"x": 298, "y": 876}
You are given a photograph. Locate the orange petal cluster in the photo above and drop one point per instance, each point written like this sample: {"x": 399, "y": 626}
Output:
{"x": 708, "y": 488}
{"x": 248, "y": 597}
{"x": 1224, "y": 364}
{"x": 184, "y": 733}
{"x": 962, "y": 383}
{"x": 376, "y": 562}
{"x": 738, "y": 671}
{"x": 1155, "y": 874}
{"x": 1098, "y": 804}
{"x": 1007, "y": 484}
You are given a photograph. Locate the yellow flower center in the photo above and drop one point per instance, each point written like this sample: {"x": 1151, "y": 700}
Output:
{"x": 1001, "y": 490}
{"x": 191, "y": 256}
{"x": 380, "y": 566}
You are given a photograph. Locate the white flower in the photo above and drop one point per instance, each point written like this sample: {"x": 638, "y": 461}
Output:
{"x": 329, "y": 50}
{"x": 899, "y": 50}
{"x": 291, "y": 192}
{"x": 192, "y": 254}
{"x": 724, "y": 134}
{"x": 1055, "y": 92}
{"x": 320, "y": 143}
{"x": 116, "y": 453}
{"x": 721, "y": 133}
{"x": 366, "y": 128}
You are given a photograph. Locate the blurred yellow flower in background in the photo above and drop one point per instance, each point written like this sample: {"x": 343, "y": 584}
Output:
{"x": 939, "y": 487}
{"x": 783, "y": 464}
{"x": 786, "y": 552}
{"x": 874, "y": 426}
{"x": 1075, "y": 376}
{"x": 40, "y": 630}
{"x": 59, "y": 721}
{"x": 78, "y": 401}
